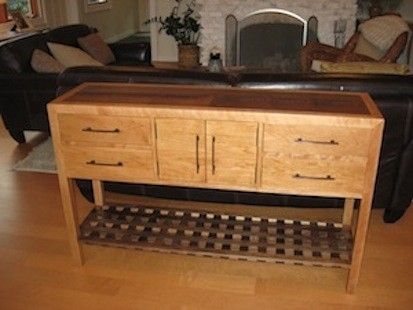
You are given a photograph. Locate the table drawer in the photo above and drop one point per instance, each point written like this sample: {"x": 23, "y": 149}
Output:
{"x": 100, "y": 129}
{"x": 316, "y": 139}
{"x": 109, "y": 164}
{"x": 314, "y": 175}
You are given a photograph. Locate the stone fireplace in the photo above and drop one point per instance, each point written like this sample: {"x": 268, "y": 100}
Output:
{"x": 258, "y": 41}
{"x": 234, "y": 25}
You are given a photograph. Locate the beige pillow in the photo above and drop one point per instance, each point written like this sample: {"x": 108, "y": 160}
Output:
{"x": 70, "y": 56}
{"x": 42, "y": 62}
{"x": 94, "y": 45}
{"x": 364, "y": 47}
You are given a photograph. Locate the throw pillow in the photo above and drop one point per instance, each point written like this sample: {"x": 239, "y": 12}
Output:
{"x": 70, "y": 56}
{"x": 94, "y": 45}
{"x": 383, "y": 30}
{"x": 42, "y": 62}
{"x": 364, "y": 47}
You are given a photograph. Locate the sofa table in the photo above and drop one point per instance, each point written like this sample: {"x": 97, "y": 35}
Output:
{"x": 298, "y": 143}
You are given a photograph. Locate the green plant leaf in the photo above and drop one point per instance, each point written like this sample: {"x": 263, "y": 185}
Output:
{"x": 183, "y": 26}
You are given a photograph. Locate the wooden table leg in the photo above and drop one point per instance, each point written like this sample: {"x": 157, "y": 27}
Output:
{"x": 359, "y": 243}
{"x": 71, "y": 217}
{"x": 365, "y": 209}
{"x": 348, "y": 212}
{"x": 98, "y": 192}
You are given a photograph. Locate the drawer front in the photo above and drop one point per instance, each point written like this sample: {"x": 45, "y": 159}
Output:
{"x": 315, "y": 139}
{"x": 314, "y": 175}
{"x": 231, "y": 152}
{"x": 100, "y": 129}
{"x": 181, "y": 149}
{"x": 109, "y": 164}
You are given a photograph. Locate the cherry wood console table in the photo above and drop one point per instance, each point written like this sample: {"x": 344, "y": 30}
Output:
{"x": 300, "y": 143}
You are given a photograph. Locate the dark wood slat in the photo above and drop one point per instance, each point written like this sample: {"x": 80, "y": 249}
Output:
{"x": 326, "y": 245}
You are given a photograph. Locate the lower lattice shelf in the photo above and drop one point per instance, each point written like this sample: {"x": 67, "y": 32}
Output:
{"x": 204, "y": 233}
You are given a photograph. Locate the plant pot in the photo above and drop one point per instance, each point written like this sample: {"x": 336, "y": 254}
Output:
{"x": 188, "y": 56}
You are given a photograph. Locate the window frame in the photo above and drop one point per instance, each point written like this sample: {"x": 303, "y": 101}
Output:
{"x": 95, "y": 7}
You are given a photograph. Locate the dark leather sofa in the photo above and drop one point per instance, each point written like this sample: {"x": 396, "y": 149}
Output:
{"x": 25, "y": 93}
{"x": 393, "y": 95}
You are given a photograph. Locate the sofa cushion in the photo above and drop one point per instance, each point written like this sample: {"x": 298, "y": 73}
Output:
{"x": 44, "y": 63}
{"x": 94, "y": 45}
{"x": 70, "y": 56}
{"x": 136, "y": 53}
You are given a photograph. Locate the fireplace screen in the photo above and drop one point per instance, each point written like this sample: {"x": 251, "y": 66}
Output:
{"x": 269, "y": 39}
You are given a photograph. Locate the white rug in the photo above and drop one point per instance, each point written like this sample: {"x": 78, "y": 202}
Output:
{"x": 40, "y": 159}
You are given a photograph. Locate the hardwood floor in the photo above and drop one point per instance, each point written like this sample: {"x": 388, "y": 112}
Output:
{"x": 37, "y": 272}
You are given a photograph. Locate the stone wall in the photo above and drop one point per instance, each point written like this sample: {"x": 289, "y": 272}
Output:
{"x": 214, "y": 12}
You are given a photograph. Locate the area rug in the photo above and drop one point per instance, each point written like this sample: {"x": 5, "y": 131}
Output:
{"x": 40, "y": 159}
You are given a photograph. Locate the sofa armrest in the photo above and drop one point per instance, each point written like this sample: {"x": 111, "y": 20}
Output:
{"x": 24, "y": 100}
{"x": 133, "y": 53}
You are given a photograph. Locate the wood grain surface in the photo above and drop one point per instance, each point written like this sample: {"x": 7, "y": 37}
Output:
{"x": 221, "y": 97}
{"x": 298, "y": 143}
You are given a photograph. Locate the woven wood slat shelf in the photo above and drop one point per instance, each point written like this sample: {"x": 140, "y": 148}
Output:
{"x": 203, "y": 233}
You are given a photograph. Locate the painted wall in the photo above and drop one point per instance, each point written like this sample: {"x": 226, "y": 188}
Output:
{"x": 143, "y": 7}
{"x": 55, "y": 13}
{"x": 164, "y": 47}
{"x": 114, "y": 24}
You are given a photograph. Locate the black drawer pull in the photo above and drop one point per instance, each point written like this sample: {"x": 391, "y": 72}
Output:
{"x": 331, "y": 142}
{"x": 197, "y": 153}
{"x": 213, "y": 155}
{"x": 327, "y": 178}
{"x": 95, "y": 163}
{"x": 90, "y": 129}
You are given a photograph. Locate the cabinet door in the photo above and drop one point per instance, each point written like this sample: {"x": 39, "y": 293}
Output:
{"x": 181, "y": 149}
{"x": 232, "y": 152}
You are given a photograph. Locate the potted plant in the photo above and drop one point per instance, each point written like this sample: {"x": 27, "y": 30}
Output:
{"x": 183, "y": 25}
